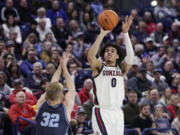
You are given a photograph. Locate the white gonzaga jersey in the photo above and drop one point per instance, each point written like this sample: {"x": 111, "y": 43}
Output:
{"x": 109, "y": 87}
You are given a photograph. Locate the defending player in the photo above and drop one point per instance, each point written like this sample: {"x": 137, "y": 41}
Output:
{"x": 107, "y": 116}
{"x": 54, "y": 114}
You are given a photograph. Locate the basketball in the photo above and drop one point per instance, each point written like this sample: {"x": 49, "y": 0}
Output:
{"x": 108, "y": 19}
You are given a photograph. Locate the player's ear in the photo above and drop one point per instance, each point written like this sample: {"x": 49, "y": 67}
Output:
{"x": 117, "y": 57}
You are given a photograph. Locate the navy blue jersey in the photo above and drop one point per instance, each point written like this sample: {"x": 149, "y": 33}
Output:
{"x": 52, "y": 120}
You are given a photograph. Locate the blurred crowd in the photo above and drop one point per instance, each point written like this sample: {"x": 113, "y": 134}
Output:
{"x": 35, "y": 33}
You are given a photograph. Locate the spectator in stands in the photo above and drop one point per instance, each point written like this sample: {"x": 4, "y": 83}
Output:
{"x": 80, "y": 45}
{"x": 40, "y": 3}
{"x": 150, "y": 48}
{"x": 70, "y": 7}
{"x": 136, "y": 19}
{"x": 13, "y": 73}
{"x": 27, "y": 65}
{"x": 176, "y": 122}
{"x": 134, "y": 69}
{"x": 74, "y": 15}
{"x": 50, "y": 70}
{"x": 43, "y": 85}
{"x": 160, "y": 57}
{"x": 43, "y": 30}
{"x": 166, "y": 42}
{"x": 177, "y": 50}
{"x": 174, "y": 105}
{"x": 88, "y": 106}
{"x": 165, "y": 98}
{"x": 32, "y": 39}
{"x": 73, "y": 27}
{"x": 46, "y": 53}
{"x": 84, "y": 92}
{"x": 83, "y": 58}
{"x": 25, "y": 51}
{"x": 159, "y": 82}
{"x": 55, "y": 12}
{"x": 55, "y": 56}
{"x": 10, "y": 26}
{"x": 4, "y": 89}
{"x": 175, "y": 82}
{"x": 2, "y": 48}
{"x": 139, "y": 83}
{"x": 141, "y": 34}
{"x": 9, "y": 59}
{"x": 150, "y": 68}
{"x": 131, "y": 109}
{"x": 178, "y": 89}
{"x": 24, "y": 12}
{"x": 158, "y": 34}
{"x": 61, "y": 33}
{"x": 73, "y": 59}
{"x": 173, "y": 7}
{"x": 174, "y": 32}
{"x": 83, "y": 126}
{"x": 2, "y": 65}
{"x": 153, "y": 100}
{"x": 168, "y": 71}
{"x": 97, "y": 7}
{"x": 171, "y": 56}
{"x": 85, "y": 19}
{"x": 10, "y": 47}
{"x": 50, "y": 37}
{"x": 2, "y": 34}
{"x": 161, "y": 7}
{"x": 9, "y": 10}
{"x": 144, "y": 119}
{"x": 150, "y": 25}
{"x": 73, "y": 70}
{"x": 41, "y": 14}
{"x": 31, "y": 29}
{"x": 160, "y": 121}
{"x": 91, "y": 33}
{"x": 21, "y": 108}
{"x": 18, "y": 86}
{"x": 34, "y": 79}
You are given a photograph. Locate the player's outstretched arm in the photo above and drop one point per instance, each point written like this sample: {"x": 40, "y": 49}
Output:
{"x": 55, "y": 78}
{"x": 57, "y": 74}
{"x": 93, "y": 61}
{"x": 70, "y": 96}
{"x": 129, "y": 49}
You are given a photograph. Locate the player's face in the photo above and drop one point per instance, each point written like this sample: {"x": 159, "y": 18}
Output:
{"x": 110, "y": 55}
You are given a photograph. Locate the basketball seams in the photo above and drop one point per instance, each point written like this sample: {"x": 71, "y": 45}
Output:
{"x": 109, "y": 20}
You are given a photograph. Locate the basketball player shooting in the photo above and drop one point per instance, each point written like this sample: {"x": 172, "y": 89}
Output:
{"x": 107, "y": 116}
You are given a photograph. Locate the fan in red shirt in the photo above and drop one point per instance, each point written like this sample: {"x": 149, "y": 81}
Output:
{"x": 18, "y": 86}
{"x": 84, "y": 93}
{"x": 21, "y": 108}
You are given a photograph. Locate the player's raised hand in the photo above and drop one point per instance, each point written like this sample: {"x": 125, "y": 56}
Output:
{"x": 65, "y": 59}
{"x": 126, "y": 24}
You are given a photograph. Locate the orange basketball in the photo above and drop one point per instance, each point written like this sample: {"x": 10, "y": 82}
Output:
{"x": 108, "y": 19}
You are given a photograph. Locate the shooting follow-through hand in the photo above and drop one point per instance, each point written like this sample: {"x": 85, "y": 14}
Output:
{"x": 126, "y": 24}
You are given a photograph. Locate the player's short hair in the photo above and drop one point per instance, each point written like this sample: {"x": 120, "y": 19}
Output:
{"x": 120, "y": 51}
{"x": 54, "y": 91}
